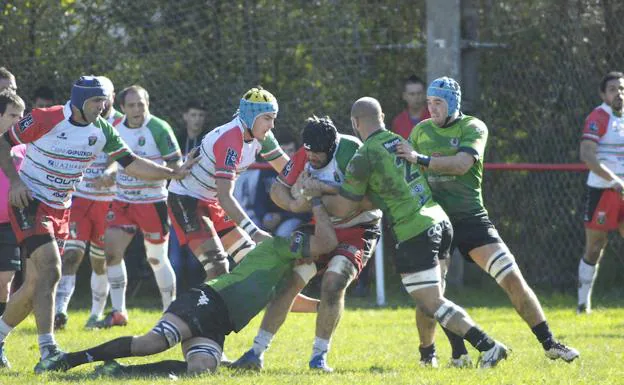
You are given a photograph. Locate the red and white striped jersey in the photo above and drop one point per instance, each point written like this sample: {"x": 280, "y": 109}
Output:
{"x": 607, "y": 130}
{"x": 59, "y": 151}
{"x": 224, "y": 154}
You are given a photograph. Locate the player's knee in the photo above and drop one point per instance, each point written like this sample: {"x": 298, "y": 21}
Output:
{"x": 169, "y": 332}
{"x": 203, "y": 358}
{"x": 502, "y": 267}
{"x": 215, "y": 264}
{"x": 594, "y": 248}
{"x": 156, "y": 253}
{"x": 340, "y": 272}
{"x": 74, "y": 250}
{"x": 446, "y": 311}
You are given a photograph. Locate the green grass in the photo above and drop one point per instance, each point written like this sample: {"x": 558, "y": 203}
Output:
{"x": 371, "y": 346}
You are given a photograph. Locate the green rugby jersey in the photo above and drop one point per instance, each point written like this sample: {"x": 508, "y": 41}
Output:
{"x": 253, "y": 283}
{"x": 394, "y": 185}
{"x": 459, "y": 195}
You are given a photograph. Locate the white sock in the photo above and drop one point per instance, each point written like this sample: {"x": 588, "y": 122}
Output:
{"x": 99, "y": 293}
{"x": 64, "y": 292}
{"x": 45, "y": 340}
{"x": 320, "y": 346}
{"x": 4, "y": 330}
{"x": 118, "y": 280}
{"x": 163, "y": 271}
{"x": 586, "y": 275}
{"x": 262, "y": 342}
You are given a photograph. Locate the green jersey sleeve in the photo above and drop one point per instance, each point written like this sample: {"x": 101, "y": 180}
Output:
{"x": 474, "y": 137}
{"x": 165, "y": 139}
{"x": 347, "y": 147}
{"x": 357, "y": 176}
{"x": 115, "y": 147}
{"x": 271, "y": 149}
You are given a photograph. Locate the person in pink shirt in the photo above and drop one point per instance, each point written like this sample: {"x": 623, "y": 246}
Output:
{"x": 11, "y": 111}
{"x": 414, "y": 96}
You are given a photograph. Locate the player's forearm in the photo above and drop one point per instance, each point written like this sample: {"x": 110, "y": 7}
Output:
{"x": 279, "y": 163}
{"x": 6, "y": 162}
{"x": 323, "y": 229}
{"x": 449, "y": 165}
{"x": 280, "y": 194}
{"x": 339, "y": 206}
{"x": 147, "y": 170}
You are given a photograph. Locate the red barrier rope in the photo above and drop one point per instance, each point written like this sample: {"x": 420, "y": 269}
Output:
{"x": 572, "y": 167}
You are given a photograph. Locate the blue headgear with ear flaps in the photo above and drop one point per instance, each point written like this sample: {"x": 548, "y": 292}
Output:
{"x": 255, "y": 102}
{"x": 85, "y": 88}
{"x": 449, "y": 90}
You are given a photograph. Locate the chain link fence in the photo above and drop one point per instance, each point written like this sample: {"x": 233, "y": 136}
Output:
{"x": 319, "y": 56}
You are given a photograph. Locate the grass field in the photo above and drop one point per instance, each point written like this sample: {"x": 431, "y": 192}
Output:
{"x": 371, "y": 346}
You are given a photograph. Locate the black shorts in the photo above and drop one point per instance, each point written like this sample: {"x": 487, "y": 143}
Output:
{"x": 204, "y": 312}
{"x": 9, "y": 250}
{"x": 424, "y": 251}
{"x": 474, "y": 232}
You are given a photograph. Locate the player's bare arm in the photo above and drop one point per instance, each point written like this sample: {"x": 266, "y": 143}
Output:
{"x": 146, "y": 169}
{"x": 458, "y": 164}
{"x": 225, "y": 195}
{"x": 278, "y": 164}
{"x": 19, "y": 194}
{"x": 324, "y": 239}
{"x": 588, "y": 156}
{"x": 108, "y": 177}
{"x": 280, "y": 194}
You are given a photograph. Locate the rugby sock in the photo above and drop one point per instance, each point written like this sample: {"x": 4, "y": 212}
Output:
{"x": 458, "y": 346}
{"x": 162, "y": 368}
{"x": 320, "y": 346}
{"x": 4, "y": 330}
{"x": 240, "y": 249}
{"x": 543, "y": 334}
{"x": 99, "y": 293}
{"x": 586, "y": 276}
{"x": 2, "y": 307}
{"x": 427, "y": 351}
{"x": 477, "y": 338}
{"x": 163, "y": 271}
{"x": 117, "y": 348}
{"x": 118, "y": 280}
{"x": 64, "y": 292}
{"x": 45, "y": 340}
{"x": 262, "y": 342}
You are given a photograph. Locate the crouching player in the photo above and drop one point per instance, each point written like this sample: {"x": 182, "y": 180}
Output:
{"x": 202, "y": 317}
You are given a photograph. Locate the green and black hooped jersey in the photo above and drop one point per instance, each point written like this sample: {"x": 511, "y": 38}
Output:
{"x": 249, "y": 288}
{"x": 396, "y": 186}
{"x": 460, "y": 196}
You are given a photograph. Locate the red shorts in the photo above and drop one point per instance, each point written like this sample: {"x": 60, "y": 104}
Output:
{"x": 38, "y": 223}
{"x": 604, "y": 209}
{"x": 150, "y": 218}
{"x": 197, "y": 219}
{"x": 87, "y": 220}
{"x": 356, "y": 243}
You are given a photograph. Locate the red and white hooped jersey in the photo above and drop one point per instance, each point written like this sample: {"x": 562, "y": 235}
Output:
{"x": 607, "y": 130}
{"x": 58, "y": 151}
{"x": 86, "y": 188}
{"x": 224, "y": 154}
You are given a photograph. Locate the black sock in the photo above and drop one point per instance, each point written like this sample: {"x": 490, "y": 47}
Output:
{"x": 543, "y": 334}
{"x": 161, "y": 368}
{"x": 477, "y": 338}
{"x": 427, "y": 351}
{"x": 457, "y": 343}
{"x": 117, "y": 348}
{"x": 2, "y": 307}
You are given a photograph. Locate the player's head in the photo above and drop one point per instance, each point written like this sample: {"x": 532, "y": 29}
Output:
{"x": 88, "y": 97}
{"x": 7, "y": 80}
{"x": 134, "y": 102}
{"x": 320, "y": 138}
{"x": 194, "y": 116}
{"x": 443, "y": 100}
{"x": 43, "y": 97}
{"x": 414, "y": 92}
{"x": 612, "y": 90}
{"x": 257, "y": 110}
{"x": 11, "y": 109}
{"x": 108, "y": 84}
{"x": 366, "y": 116}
